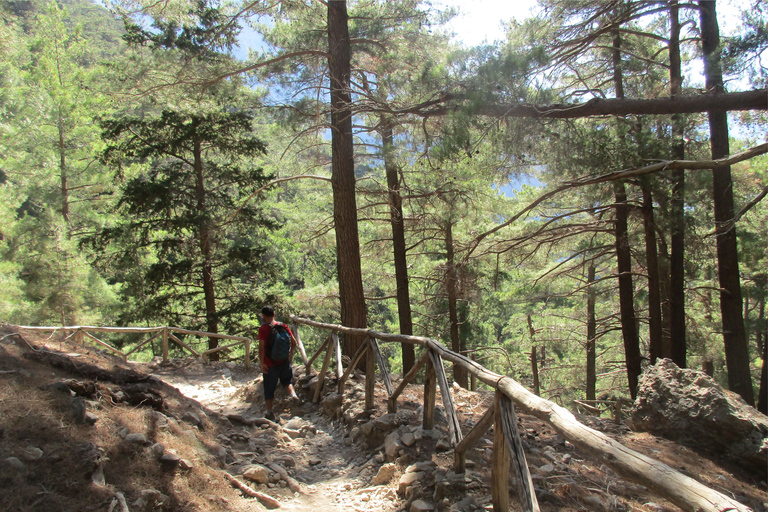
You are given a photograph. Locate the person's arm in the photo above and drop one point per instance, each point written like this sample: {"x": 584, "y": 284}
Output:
{"x": 262, "y": 351}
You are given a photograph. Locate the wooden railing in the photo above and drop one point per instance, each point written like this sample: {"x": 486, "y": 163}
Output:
{"x": 683, "y": 491}
{"x": 168, "y": 334}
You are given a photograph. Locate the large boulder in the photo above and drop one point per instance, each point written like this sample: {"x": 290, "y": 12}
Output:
{"x": 689, "y": 407}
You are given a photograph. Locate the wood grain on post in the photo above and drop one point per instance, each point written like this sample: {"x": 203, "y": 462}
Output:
{"x": 370, "y": 376}
{"x": 165, "y": 345}
{"x": 525, "y": 489}
{"x": 337, "y": 351}
{"x": 295, "y": 330}
{"x": 454, "y": 427}
{"x": 323, "y": 370}
{"x": 500, "y": 461}
{"x": 382, "y": 366}
{"x": 430, "y": 395}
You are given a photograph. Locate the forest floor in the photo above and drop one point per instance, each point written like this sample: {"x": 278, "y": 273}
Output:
{"x": 207, "y": 419}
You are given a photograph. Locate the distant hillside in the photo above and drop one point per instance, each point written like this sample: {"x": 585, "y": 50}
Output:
{"x": 102, "y": 28}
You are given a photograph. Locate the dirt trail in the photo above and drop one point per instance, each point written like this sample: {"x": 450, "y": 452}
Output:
{"x": 327, "y": 462}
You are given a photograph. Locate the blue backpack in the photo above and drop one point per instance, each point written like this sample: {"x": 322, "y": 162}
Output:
{"x": 279, "y": 343}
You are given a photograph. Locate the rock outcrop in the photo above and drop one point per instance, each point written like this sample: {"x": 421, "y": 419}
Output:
{"x": 688, "y": 406}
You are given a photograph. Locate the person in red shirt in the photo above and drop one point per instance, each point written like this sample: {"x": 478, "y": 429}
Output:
{"x": 274, "y": 372}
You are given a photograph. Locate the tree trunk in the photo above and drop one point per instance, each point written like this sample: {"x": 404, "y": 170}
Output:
{"x": 652, "y": 262}
{"x": 353, "y": 311}
{"x": 209, "y": 291}
{"x": 678, "y": 347}
{"x": 762, "y": 349}
{"x": 734, "y": 335}
{"x": 591, "y": 336}
{"x": 762, "y": 396}
{"x": 626, "y": 290}
{"x": 666, "y": 301}
{"x": 534, "y": 358}
{"x": 623, "y": 254}
{"x": 459, "y": 372}
{"x": 63, "y": 173}
{"x": 398, "y": 243}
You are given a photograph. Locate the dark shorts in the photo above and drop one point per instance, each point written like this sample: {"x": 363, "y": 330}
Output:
{"x": 282, "y": 373}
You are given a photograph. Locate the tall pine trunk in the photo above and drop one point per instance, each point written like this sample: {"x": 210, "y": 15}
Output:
{"x": 623, "y": 254}
{"x": 459, "y": 372}
{"x": 209, "y": 291}
{"x": 398, "y": 244}
{"x": 734, "y": 334}
{"x": 61, "y": 146}
{"x": 678, "y": 347}
{"x": 353, "y": 311}
{"x": 652, "y": 263}
{"x": 591, "y": 336}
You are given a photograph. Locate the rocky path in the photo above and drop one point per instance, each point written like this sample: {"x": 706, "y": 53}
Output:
{"x": 332, "y": 471}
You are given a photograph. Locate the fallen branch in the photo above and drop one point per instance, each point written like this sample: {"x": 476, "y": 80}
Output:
{"x": 292, "y": 484}
{"x": 265, "y": 499}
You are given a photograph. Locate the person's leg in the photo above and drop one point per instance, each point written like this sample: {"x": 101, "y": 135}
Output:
{"x": 286, "y": 379}
{"x": 270, "y": 385}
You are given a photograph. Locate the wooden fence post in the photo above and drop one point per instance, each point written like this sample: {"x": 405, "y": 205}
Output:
{"x": 500, "y": 461}
{"x": 430, "y": 394}
{"x": 454, "y": 427}
{"x": 165, "y": 345}
{"x": 295, "y": 329}
{"x": 321, "y": 375}
{"x": 248, "y": 354}
{"x": 337, "y": 351}
{"x": 370, "y": 377}
{"x": 525, "y": 489}
{"x": 382, "y": 366}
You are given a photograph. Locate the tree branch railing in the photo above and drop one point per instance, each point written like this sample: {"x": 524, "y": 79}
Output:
{"x": 81, "y": 332}
{"x": 682, "y": 490}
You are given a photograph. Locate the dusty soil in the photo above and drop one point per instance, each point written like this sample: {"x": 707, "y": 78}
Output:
{"x": 330, "y": 462}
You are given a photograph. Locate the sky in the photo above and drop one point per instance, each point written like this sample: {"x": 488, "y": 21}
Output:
{"x": 481, "y": 20}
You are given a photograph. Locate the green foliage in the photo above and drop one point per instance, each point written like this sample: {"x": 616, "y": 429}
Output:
{"x": 197, "y": 174}
{"x": 208, "y": 37}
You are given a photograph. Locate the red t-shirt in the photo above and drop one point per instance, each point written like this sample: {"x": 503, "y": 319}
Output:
{"x": 264, "y": 337}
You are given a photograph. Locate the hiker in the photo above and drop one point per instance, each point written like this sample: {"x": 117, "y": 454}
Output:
{"x": 276, "y": 347}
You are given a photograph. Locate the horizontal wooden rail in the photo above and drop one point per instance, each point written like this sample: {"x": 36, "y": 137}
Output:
{"x": 91, "y": 328}
{"x": 165, "y": 331}
{"x": 683, "y": 491}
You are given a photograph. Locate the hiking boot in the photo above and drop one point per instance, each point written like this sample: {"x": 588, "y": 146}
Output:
{"x": 270, "y": 415}
{"x": 295, "y": 400}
